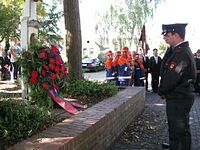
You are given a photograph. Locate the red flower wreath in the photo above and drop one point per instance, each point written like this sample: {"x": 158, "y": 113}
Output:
{"x": 46, "y": 67}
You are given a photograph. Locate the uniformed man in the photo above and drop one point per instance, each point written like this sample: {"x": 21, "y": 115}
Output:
{"x": 124, "y": 68}
{"x": 139, "y": 75}
{"x": 109, "y": 66}
{"x": 116, "y": 66}
{"x": 177, "y": 78}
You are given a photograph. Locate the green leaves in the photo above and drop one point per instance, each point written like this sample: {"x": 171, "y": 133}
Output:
{"x": 89, "y": 89}
{"x": 19, "y": 120}
{"x": 10, "y": 19}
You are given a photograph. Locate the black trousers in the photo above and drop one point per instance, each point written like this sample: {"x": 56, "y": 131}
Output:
{"x": 146, "y": 79}
{"x": 155, "y": 81}
{"x": 15, "y": 70}
{"x": 178, "y": 123}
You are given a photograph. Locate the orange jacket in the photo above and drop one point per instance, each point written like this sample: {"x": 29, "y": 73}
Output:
{"x": 141, "y": 64}
{"x": 130, "y": 59}
{"x": 136, "y": 62}
{"x": 108, "y": 63}
{"x": 116, "y": 60}
{"x": 123, "y": 60}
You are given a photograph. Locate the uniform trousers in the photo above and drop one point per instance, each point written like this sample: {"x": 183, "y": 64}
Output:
{"x": 178, "y": 123}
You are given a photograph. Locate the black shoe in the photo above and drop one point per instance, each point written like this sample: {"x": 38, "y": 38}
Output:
{"x": 165, "y": 146}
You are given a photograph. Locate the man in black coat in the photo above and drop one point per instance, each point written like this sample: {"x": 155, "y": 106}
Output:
{"x": 154, "y": 65}
{"x": 178, "y": 74}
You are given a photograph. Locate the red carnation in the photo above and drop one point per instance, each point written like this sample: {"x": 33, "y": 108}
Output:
{"x": 56, "y": 69}
{"x": 54, "y": 49}
{"x": 43, "y": 72}
{"x": 55, "y": 86}
{"x": 58, "y": 60}
{"x": 63, "y": 68}
{"x": 33, "y": 81}
{"x": 34, "y": 74}
{"x": 53, "y": 76}
{"x": 45, "y": 66}
{"x": 61, "y": 76}
{"x": 52, "y": 67}
{"x": 42, "y": 54}
{"x": 51, "y": 60}
{"x": 45, "y": 85}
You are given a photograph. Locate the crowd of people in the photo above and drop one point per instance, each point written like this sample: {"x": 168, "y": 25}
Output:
{"x": 131, "y": 68}
{"x": 9, "y": 67}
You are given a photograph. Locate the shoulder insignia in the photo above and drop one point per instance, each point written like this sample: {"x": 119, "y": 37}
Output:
{"x": 172, "y": 64}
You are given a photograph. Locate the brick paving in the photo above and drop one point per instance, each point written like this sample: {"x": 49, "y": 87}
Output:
{"x": 149, "y": 130}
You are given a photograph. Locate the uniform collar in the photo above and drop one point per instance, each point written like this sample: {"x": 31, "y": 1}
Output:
{"x": 182, "y": 44}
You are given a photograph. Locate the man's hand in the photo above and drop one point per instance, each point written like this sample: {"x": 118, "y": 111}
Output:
{"x": 161, "y": 95}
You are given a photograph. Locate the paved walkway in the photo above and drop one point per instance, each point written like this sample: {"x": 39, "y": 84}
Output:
{"x": 150, "y": 129}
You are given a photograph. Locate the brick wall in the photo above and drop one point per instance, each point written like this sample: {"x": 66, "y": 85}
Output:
{"x": 93, "y": 129}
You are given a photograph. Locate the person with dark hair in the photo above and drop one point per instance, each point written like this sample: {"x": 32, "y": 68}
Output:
{"x": 178, "y": 74}
{"x": 154, "y": 65}
{"x": 124, "y": 70}
{"x": 115, "y": 65}
{"x": 109, "y": 66}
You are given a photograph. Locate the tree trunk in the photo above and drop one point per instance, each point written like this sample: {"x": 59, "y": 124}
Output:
{"x": 73, "y": 37}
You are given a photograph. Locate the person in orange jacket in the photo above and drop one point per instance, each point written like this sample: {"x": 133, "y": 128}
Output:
{"x": 109, "y": 66}
{"x": 124, "y": 68}
{"x": 115, "y": 65}
{"x": 139, "y": 71}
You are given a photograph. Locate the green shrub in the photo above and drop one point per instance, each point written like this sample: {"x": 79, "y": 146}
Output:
{"x": 18, "y": 120}
{"x": 90, "y": 89}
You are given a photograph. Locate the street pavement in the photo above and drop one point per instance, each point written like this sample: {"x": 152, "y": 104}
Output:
{"x": 150, "y": 130}
{"x": 96, "y": 76}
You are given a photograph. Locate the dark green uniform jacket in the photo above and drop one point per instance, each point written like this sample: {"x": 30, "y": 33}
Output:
{"x": 178, "y": 73}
